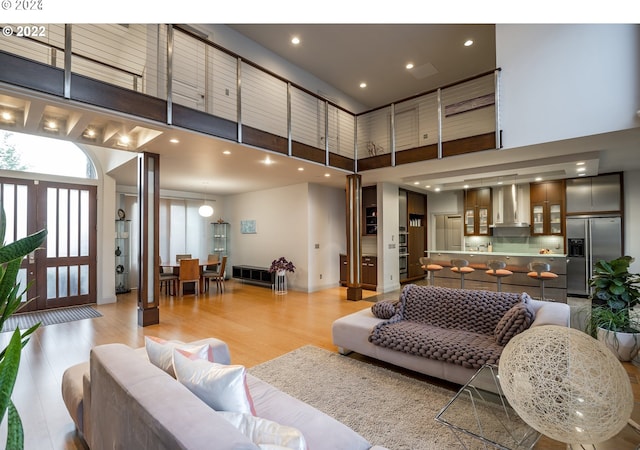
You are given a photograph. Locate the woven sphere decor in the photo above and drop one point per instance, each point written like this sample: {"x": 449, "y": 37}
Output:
{"x": 566, "y": 384}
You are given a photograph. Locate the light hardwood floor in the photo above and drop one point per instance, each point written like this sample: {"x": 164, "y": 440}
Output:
{"x": 257, "y": 324}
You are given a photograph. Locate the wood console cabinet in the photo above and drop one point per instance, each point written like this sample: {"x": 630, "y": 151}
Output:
{"x": 477, "y": 211}
{"x": 547, "y": 208}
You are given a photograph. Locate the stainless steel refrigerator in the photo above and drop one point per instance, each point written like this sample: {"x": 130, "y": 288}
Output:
{"x": 590, "y": 239}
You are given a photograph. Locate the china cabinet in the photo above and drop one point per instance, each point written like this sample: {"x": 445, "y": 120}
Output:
{"x": 122, "y": 253}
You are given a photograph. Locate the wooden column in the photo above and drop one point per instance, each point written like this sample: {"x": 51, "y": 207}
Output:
{"x": 354, "y": 249}
{"x": 148, "y": 256}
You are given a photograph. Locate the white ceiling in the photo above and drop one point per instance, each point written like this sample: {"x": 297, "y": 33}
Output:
{"x": 343, "y": 56}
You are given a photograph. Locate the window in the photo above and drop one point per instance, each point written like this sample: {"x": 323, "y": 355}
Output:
{"x": 37, "y": 154}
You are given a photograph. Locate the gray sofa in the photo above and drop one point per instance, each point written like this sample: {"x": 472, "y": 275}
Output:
{"x": 442, "y": 332}
{"x": 121, "y": 400}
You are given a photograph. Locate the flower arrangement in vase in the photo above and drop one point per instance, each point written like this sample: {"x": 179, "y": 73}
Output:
{"x": 281, "y": 266}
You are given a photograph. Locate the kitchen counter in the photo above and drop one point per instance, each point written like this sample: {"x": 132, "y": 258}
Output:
{"x": 518, "y": 263}
{"x": 469, "y": 253}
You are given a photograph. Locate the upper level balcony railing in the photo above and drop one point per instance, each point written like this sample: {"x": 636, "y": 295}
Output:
{"x": 172, "y": 75}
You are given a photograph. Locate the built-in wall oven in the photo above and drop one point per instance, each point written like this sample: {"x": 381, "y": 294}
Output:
{"x": 403, "y": 251}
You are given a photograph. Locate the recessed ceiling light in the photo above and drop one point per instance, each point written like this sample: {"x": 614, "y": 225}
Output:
{"x": 499, "y": 182}
{"x": 437, "y": 189}
{"x": 174, "y": 140}
{"x": 466, "y": 186}
{"x": 124, "y": 140}
{"x": 468, "y": 43}
{"x": 226, "y": 152}
{"x": 295, "y": 40}
{"x": 7, "y": 116}
{"x": 538, "y": 178}
{"x": 268, "y": 161}
{"x": 409, "y": 66}
{"x": 51, "y": 125}
{"x": 581, "y": 163}
{"x": 581, "y": 169}
{"x": 327, "y": 175}
{"x": 416, "y": 183}
{"x": 363, "y": 85}
{"x": 428, "y": 186}
{"x": 300, "y": 169}
{"x": 582, "y": 174}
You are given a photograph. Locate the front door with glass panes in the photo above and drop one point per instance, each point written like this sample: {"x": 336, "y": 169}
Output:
{"x": 63, "y": 272}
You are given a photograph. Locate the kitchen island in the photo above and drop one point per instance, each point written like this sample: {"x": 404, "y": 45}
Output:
{"x": 518, "y": 263}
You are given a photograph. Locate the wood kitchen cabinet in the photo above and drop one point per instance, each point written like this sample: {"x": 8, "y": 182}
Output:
{"x": 477, "y": 211}
{"x": 417, "y": 238}
{"x": 547, "y": 208}
{"x": 369, "y": 211}
{"x": 369, "y": 272}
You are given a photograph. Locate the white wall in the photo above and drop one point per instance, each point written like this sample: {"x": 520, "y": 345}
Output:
{"x": 290, "y": 221}
{"x": 632, "y": 217}
{"x": 388, "y": 228}
{"x": 566, "y": 81}
{"x": 327, "y": 228}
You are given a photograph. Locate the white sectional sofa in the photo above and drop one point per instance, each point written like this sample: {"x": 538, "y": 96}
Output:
{"x": 119, "y": 399}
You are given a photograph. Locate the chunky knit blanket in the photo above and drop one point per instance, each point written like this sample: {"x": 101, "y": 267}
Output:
{"x": 452, "y": 325}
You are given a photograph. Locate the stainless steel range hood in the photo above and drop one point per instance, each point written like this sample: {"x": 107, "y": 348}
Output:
{"x": 507, "y": 222}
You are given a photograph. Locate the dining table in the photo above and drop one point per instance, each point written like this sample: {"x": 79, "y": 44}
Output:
{"x": 203, "y": 263}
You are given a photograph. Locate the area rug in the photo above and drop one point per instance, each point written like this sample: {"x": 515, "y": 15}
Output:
{"x": 386, "y": 407}
{"x": 49, "y": 317}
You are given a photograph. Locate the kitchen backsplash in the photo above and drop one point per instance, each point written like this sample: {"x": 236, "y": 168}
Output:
{"x": 529, "y": 244}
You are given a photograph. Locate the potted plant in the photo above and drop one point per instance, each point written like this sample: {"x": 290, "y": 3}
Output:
{"x": 11, "y": 294}
{"x": 280, "y": 266}
{"x": 615, "y": 293}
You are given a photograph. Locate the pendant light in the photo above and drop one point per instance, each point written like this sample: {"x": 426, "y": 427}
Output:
{"x": 205, "y": 210}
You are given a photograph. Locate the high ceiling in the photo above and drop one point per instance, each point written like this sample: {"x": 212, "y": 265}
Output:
{"x": 343, "y": 56}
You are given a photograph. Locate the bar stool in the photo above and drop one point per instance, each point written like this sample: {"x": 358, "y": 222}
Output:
{"x": 541, "y": 271}
{"x": 497, "y": 270}
{"x": 429, "y": 267}
{"x": 461, "y": 267}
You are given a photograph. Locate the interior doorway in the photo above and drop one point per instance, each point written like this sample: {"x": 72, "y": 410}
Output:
{"x": 448, "y": 232}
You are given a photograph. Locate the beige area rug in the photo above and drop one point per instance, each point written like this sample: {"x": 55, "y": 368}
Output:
{"x": 386, "y": 407}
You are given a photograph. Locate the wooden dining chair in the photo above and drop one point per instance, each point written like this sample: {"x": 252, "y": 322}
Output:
{"x": 189, "y": 273}
{"x": 168, "y": 280}
{"x": 218, "y": 276}
{"x": 211, "y": 270}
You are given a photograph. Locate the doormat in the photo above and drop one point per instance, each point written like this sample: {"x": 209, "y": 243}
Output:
{"x": 50, "y": 317}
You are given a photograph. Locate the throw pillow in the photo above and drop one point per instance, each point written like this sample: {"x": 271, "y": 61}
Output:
{"x": 222, "y": 387}
{"x": 515, "y": 321}
{"x": 266, "y": 433}
{"x": 384, "y": 309}
{"x": 160, "y": 352}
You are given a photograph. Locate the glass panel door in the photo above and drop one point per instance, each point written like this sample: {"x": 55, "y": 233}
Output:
{"x": 555, "y": 219}
{"x": 538, "y": 219}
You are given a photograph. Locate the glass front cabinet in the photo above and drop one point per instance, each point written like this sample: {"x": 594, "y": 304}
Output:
{"x": 547, "y": 208}
{"x": 220, "y": 239}
{"x": 122, "y": 254}
{"x": 477, "y": 211}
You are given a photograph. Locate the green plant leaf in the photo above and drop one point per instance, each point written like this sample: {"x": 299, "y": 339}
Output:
{"x": 9, "y": 371}
{"x": 15, "y": 433}
{"x": 22, "y": 247}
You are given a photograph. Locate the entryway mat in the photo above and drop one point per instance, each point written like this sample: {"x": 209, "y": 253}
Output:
{"x": 49, "y": 317}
